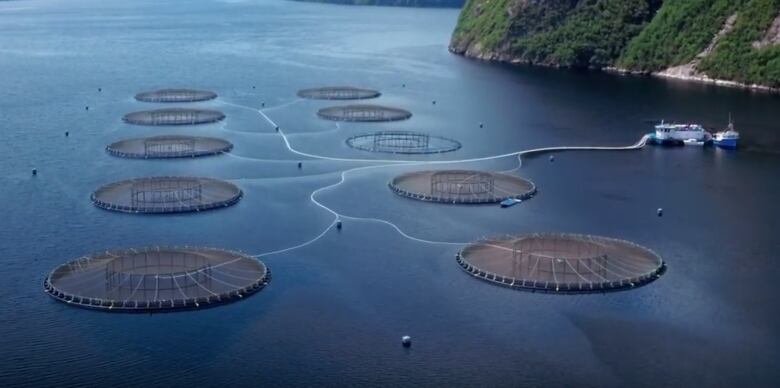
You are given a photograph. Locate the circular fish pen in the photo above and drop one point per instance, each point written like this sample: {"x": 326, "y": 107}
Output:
{"x": 363, "y": 113}
{"x": 461, "y": 186}
{"x": 338, "y": 93}
{"x": 565, "y": 263}
{"x": 403, "y": 142}
{"x": 168, "y": 146}
{"x": 175, "y": 95}
{"x": 157, "y": 279}
{"x": 162, "y": 195}
{"x": 174, "y": 116}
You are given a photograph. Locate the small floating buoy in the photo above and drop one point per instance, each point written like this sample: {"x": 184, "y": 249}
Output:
{"x": 35, "y": 171}
{"x": 86, "y": 107}
{"x": 406, "y": 341}
{"x": 481, "y": 125}
{"x": 403, "y": 85}
{"x": 277, "y": 128}
{"x": 67, "y": 133}
{"x": 300, "y": 164}
{"x": 338, "y": 224}
{"x": 253, "y": 86}
{"x": 552, "y": 158}
{"x": 434, "y": 102}
{"x": 262, "y": 104}
{"x": 660, "y": 212}
{"x": 100, "y": 89}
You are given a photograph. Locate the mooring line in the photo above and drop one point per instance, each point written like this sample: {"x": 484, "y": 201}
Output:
{"x": 388, "y": 163}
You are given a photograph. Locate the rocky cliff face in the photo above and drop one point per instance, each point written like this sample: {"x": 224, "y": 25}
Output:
{"x": 733, "y": 40}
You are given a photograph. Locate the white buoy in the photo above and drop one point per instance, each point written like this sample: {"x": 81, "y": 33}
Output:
{"x": 660, "y": 212}
{"x": 406, "y": 341}
{"x": 552, "y": 158}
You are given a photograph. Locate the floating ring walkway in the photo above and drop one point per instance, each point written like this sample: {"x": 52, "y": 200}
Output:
{"x": 168, "y": 147}
{"x": 566, "y": 263}
{"x": 157, "y": 279}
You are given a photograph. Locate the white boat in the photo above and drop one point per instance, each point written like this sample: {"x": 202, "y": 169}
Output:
{"x": 676, "y": 133}
{"x": 693, "y": 142}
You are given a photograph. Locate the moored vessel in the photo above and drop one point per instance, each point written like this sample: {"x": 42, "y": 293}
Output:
{"x": 727, "y": 139}
{"x": 677, "y": 134}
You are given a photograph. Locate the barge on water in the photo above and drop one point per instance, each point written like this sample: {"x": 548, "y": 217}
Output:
{"x": 693, "y": 134}
{"x": 680, "y": 134}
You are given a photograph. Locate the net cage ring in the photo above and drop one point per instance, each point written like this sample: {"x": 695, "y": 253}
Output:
{"x": 461, "y": 186}
{"x": 403, "y": 142}
{"x": 338, "y": 93}
{"x": 166, "y": 195}
{"x": 561, "y": 263}
{"x": 172, "y": 95}
{"x": 173, "y": 117}
{"x": 168, "y": 147}
{"x": 363, "y": 113}
{"x": 157, "y": 279}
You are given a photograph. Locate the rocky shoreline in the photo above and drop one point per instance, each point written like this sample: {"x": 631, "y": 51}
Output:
{"x": 699, "y": 78}
{"x": 667, "y": 74}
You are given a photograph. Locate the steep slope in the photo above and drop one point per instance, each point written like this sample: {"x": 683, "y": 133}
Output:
{"x": 578, "y": 33}
{"x": 735, "y": 40}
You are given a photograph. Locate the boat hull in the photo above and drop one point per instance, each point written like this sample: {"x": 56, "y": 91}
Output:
{"x": 727, "y": 143}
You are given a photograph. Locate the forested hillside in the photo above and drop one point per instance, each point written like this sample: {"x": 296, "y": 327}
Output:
{"x": 724, "y": 39}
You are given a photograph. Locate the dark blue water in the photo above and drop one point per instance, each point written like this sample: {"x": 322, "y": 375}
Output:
{"x": 336, "y": 309}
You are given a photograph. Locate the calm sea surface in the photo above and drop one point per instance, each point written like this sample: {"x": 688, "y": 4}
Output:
{"x": 336, "y": 309}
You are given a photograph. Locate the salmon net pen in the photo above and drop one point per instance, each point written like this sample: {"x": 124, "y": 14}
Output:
{"x": 173, "y": 116}
{"x": 175, "y": 95}
{"x": 567, "y": 263}
{"x": 159, "y": 195}
{"x": 168, "y": 146}
{"x": 363, "y": 113}
{"x": 157, "y": 279}
{"x": 461, "y": 186}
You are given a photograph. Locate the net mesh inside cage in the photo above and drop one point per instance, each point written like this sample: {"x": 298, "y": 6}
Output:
{"x": 166, "y": 192}
{"x": 403, "y": 142}
{"x": 157, "y": 278}
{"x": 462, "y": 183}
{"x": 562, "y": 262}
{"x": 461, "y": 186}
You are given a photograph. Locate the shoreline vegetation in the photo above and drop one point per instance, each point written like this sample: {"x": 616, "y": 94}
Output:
{"x": 734, "y": 43}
